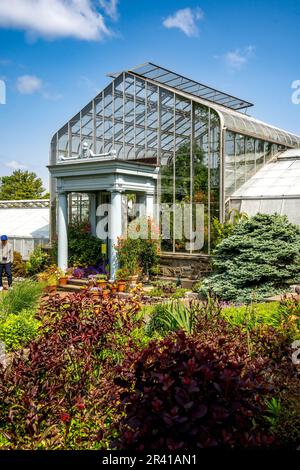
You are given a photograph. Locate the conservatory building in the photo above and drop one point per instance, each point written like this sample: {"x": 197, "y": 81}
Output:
{"x": 154, "y": 141}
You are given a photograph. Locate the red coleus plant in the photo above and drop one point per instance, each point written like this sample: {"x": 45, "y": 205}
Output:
{"x": 64, "y": 376}
{"x": 191, "y": 394}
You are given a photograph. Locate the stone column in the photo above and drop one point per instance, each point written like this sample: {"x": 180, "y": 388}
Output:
{"x": 92, "y": 213}
{"x": 141, "y": 202}
{"x": 62, "y": 232}
{"x": 150, "y": 205}
{"x": 115, "y": 228}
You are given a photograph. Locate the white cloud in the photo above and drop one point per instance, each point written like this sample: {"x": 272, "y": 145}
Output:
{"x": 185, "y": 20}
{"x": 110, "y": 8}
{"x": 14, "y": 165}
{"x": 236, "y": 59}
{"x": 53, "y": 19}
{"x": 29, "y": 84}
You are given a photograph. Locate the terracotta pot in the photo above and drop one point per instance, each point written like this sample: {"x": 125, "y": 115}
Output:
{"x": 63, "y": 281}
{"x": 50, "y": 289}
{"x": 105, "y": 293}
{"x": 133, "y": 280}
{"x": 95, "y": 294}
{"x": 102, "y": 283}
{"x": 121, "y": 286}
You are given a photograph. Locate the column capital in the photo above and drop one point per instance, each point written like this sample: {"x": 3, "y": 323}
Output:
{"x": 116, "y": 189}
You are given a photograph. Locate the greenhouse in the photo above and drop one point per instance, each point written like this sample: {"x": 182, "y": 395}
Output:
{"x": 167, "y": 140}
{"x": 26, "y": 223}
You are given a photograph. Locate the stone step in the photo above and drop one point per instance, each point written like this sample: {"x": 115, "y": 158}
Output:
{"x": 185, "y": 282}
{"x": 77, "y": 282}
{"x": 70, "y": 288}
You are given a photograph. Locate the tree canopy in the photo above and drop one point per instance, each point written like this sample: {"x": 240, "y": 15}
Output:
{"x": 21, "y": 185}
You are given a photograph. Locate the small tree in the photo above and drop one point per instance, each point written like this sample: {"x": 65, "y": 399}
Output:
{"x": 260, "y": 258}
{"x": 21, "y": 185}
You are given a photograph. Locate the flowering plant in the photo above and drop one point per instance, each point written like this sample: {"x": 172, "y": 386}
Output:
{"x": 139, "y": 251}
{"x": 51, "y": 275}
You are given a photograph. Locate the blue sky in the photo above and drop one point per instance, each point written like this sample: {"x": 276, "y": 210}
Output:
{"x": 54, "y": 55}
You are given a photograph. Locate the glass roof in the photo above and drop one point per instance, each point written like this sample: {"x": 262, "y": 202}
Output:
{"x": 181, "y": 83}
{"x": 276, "y": 179}
{"x": 226, "y": 105}
{"x": 241, "y": 123}
{"x": 274, "y": 188}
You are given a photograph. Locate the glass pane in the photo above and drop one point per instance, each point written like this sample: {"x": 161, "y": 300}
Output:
{"x": 259, "y": 154}
{"x": 201, "y": 157}
{"x": 230, "y": 173}
{"x": 182, "y": 174}
{"x": 129, "y": 134}
{"x": 249, "y": 157}
{"x": 87, "y": 125}
{"x": 99, "y": 119}
{"x": 63, "y": 142}
{"x": 214, "y": 192}
{"x": 167, "y": 167}
{"x": 240, "y": 160}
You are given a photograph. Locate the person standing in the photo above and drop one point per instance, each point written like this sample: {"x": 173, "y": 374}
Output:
{"x": 6, "y": 260}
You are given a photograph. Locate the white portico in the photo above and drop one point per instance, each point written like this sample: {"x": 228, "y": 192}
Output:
{"x": 104, "y": 179}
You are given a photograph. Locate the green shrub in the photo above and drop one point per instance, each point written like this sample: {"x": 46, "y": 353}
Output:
{"x": 128, "y": 253}
{"x": 84, "y": 248}
{"x": 139, "y": 254}
{"x": 156, "y": 292}
{"x": 23, "y": 295}
{"x": 19, "y": 265}
{"x": 172, "y": 316}
{"x": 179, "y": 293}
{"x": 156, "y": 322}
{"x": 250, "y": 317}
{"x": 222, "y": 230}
{"x": 259, "y": 259}
{"x": 17, "y": 330}
{"x": 37, "y": 262}
{"x": 289, "y": 308}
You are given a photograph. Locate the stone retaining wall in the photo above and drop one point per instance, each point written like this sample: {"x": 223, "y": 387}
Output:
{"x": 185, "y": 266}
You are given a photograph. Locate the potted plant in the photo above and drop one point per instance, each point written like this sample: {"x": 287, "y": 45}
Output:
{"x": 101, "y": 280}
{"x": 63, "y": 280}
{"x": 133, "y": 279}
{"x": 49, "y": 277}
{"x": 113, "y": 287}
{"x": 51, "y": 289}
{"x": 95, "y": 291}
{"x": 122, "y": 277}
{"x": 92, "y": 280}
{"x": 105, "y": 293}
